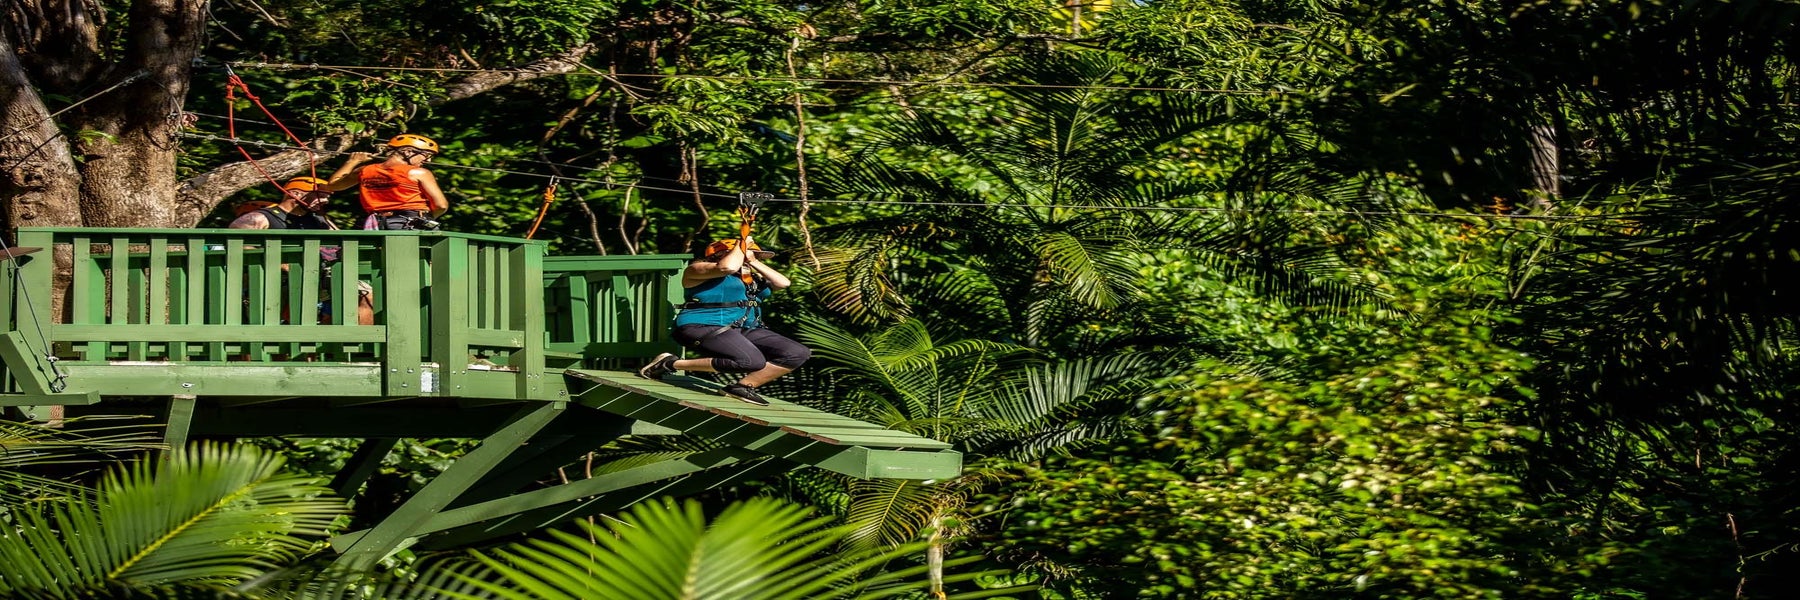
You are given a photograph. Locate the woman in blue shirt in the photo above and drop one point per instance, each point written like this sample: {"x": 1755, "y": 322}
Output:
{"x": 723, "y": 319}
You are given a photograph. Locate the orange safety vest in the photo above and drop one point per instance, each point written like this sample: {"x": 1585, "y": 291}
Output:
{"x": 386, "y": 188}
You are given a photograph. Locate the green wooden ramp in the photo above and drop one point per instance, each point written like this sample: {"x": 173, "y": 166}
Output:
{"x": 782, "y": 429}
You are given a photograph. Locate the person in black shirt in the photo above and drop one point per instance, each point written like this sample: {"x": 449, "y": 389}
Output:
{"x": 298, "y": 209}
{"x": 295, "y": 211}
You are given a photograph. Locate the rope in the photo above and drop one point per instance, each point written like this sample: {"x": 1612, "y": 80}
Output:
{"x": 21, "y": 129}
{"x": 58, "y": 380}
{"x": 1199, "y": 209}
{"x": 971, "y": 84}
{"x": 549, "y": 196}
{"x": 20, "y": 159}
{"x": 232, "y": 84}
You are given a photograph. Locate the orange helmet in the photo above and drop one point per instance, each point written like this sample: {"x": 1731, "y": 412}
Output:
{"x": 251, "y": 206}
{"x": 413, "y": 140}
{"x": 726, "y": 245}
{"x": 303, "y": 184}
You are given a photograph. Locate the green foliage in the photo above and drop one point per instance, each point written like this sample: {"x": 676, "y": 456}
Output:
{"x": 208, "y": 516}
{"x": 353, "y": 104}
{"x": 1664, "y": 343}
{"x": 989, "y": 398}
{"x": 1389, "y": 480}
{"x": 1260, "y": 48}
{"x": 511, "y": 30}
{"x": 927, "y": 20}
{"x": 707, "y": 109}
{"x": 26, "y": 447}
{"x": 758, "y": 549}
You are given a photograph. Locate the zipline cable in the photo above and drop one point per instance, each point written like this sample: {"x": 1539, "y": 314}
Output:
{"x": 777, "y": 79}
{"x": 1095, "y": 207}
{"x": 133, "y": 77}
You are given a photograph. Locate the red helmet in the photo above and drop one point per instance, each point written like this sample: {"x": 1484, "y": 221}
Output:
{"x": 413, "y": 140}
{"x": 720, "y": 247}
{"x": 303, "y": 184}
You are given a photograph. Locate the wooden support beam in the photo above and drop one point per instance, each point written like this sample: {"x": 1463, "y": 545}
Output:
{"x": 403, "y": 418}
{"x": 406, "y": 522}
{"x": 450, "y": 293}
{"x": 526, "y": 313}
{"x": 615, "y": 492}
{"x": 405, "y": 346}
{"x": 658, "y": 475}
{"x": 27, "y": 364}
{"x": 240, "y": 379}
{"x": 33, "y": 400}
{"x": 178, "y": 417}
{"x": 547, "y": 454}
{"x": 361, "y": 465}
{"x": 782, "y": 429}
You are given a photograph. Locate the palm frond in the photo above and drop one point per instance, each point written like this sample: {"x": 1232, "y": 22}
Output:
{"x": 28, "y": 452}
{"x": 885, "y": 513}
{"x": 855, "y": 282}
{"x": 755, "y": 550}
{"x": 208, "y": 513}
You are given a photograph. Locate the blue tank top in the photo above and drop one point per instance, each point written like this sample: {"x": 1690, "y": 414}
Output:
{"x": 729, "y": 288}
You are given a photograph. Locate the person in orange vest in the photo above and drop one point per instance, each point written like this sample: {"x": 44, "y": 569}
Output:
{"x": 399, "y": 192}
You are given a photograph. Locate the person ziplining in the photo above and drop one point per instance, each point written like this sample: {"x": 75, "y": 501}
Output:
{"x": 398, "y": 193}
{"x": 725, "y": 286}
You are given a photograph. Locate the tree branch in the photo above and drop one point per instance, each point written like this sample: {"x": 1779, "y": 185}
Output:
{"x": 200, "y": 194}
{"x": 59, "y": 41}
{"x": 486, "y": 81}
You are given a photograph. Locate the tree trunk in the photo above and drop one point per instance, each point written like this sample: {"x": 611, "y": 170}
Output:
{"x": 126, "y": 138}
{"x": 37, "y": 173}
{"x": 201, "y": 193}
{"x": 934, "y": 557}
{"x": 128, "y": 169}
{"x": 1546, "y": 168}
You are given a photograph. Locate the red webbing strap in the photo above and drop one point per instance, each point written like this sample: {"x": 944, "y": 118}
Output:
{"x": 749, "y": 216}
{"x": 549, "y": 196}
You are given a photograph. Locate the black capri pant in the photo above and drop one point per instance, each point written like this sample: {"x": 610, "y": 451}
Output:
{"x": 739, "y": 350}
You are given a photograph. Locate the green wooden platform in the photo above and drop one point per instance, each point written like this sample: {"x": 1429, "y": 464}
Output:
{"x": 210, "y": 333}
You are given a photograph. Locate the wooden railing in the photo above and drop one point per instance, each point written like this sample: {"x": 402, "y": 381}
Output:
{"x": 613, "y": 311}
{"x": 150, "y": 312}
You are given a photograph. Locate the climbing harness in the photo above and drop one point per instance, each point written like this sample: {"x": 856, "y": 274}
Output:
{"x": 738, "y": 304}
{"x": 751, "y": 288}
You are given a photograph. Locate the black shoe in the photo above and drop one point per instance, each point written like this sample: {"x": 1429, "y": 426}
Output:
{"x": 664, "y": 364}
{"x": 745, "y": 393}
